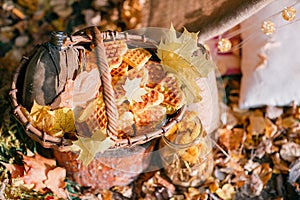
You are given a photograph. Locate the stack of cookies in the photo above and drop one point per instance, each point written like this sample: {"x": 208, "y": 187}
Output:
{"x": 161, "y": 96}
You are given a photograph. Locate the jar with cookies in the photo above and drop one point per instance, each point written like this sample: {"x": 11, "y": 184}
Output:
{"x": 186, "y": 152}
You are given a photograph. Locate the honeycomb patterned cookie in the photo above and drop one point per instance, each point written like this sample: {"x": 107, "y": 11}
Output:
{"x": 114, "y": 52}
{"x": 137, "y": 57}
{"x": 155, "y": 73}
{"x": 149, "y": 118}
{"x": 150, "y": 99}
{"x": 119, "y": 72}
{"x": 174, "y": 97}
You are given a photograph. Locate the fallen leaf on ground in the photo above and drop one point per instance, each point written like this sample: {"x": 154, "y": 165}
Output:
{"x": 227, "y": 192}
{"x": 14, "y": 169}
{"x": 38, "y": 173}
{"x": 294, "y": 171}
{"x": 256, "y": 184}
{"x": 273, "y": 112}
{"x": 280, "y": 166}
{"x": 265, "y": 172}
{"x": 56, "y": 181}
{"x": 289, "y": 122}
{"x": 36, "y": 169}
{"x": 257, "y": 125}
{"x": 290, "y": 151}
{"x": 270, "y": 128}
{"x": 232, "y": 139}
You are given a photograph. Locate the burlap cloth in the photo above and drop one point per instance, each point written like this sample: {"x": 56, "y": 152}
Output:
{"x": 210, "y": 17}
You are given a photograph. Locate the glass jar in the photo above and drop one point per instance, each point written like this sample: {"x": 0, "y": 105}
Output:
{"x": 186, "y": 152}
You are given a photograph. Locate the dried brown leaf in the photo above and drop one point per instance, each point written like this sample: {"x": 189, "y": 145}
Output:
{"x": 250, "y": 165}
{"x": 279, "y": 165}
{"x": 231, "y": 139}
{"x": 290, "y": 151}
{"x": 231, "y": 121}
{"x": 126, "y": 191}
{"x": 270, "y": 129}
{"x": 265, "y": 146}
{"x": 61, "y": 8}
{"x": 193, "y": 193}
{"x": 14, "y": 169}
{"x": 219, "y": 174}
{"x": 214, "y": 186}
{"x": 251, "y": 142}
{"x": 289, "y": 122}
{"x": 265, "y": 173}
{"x": 256, "y": 184}
{"x": 227, "y": 192}
{"x": 259, "y": 178}
{"x": 294, "y": 171}
{"x": 36, "y": 168}
{"x": 162, "y": 181}
{"x": 30, "y": 4}
{"x": 56, "y": 181}
{"x": 257, "y": 125}
{"x": 106, "y": 194}
{"x": 240, "y": 179}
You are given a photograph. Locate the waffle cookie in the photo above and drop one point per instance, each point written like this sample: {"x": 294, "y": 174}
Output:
{"x": 136, "y": 58}
{"x": 98, "y": 119}
{"x": 150, "y": 99}
{"x": 155, "y": 73}
{"x": 92, "y": 118}
{"x": 114, "y": 52}
{"x": 149, "y": 118}
{"x": 100, "y": 114}
{"x": 174, "y": 97}
{"x": 138, "y": 73}
{"x": 119, "y": 90}
{"x": 119, "y": 72}
{"x": 125, "y": 120}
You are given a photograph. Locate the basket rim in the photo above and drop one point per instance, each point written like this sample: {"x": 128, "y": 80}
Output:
{"x": 64, "y": 144}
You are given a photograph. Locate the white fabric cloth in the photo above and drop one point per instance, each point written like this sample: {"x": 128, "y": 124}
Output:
{"x": 270, "y": 64}
{"x": 209, "y": 107}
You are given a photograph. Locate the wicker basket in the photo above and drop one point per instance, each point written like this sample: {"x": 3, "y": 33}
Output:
{"x": 114, "y": 167}
{"x": 91, "y": 35}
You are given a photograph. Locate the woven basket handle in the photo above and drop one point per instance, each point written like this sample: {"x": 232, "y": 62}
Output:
{"x": 105, "y": 76}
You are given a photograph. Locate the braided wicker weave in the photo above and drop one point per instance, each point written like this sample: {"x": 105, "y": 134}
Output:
{"x": 91, "y": 35}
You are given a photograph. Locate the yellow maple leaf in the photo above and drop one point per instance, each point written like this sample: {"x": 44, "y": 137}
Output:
{"x": 42, "y": 117}
{"x": 89, "y": 147}
{"x": 181, "y": 55}
{"x": 63, "y": 122}
{"x": 54, "y": 122}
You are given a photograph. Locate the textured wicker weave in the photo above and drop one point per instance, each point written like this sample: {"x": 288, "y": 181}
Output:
{"x": 113, "y": 167}
{"x": 91, "y": 35}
